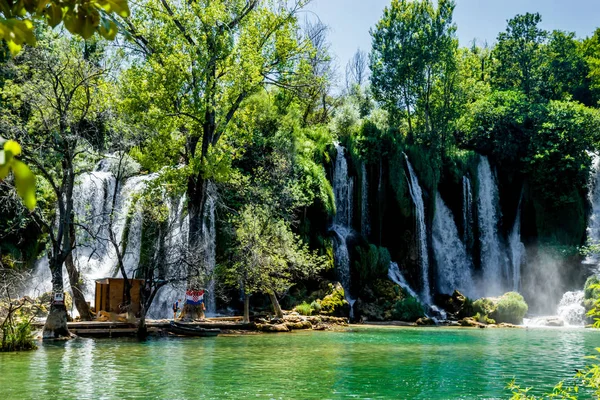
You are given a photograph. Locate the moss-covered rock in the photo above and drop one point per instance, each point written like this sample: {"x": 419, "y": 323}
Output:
{"x": 377, "y": 300}
{"x": 335, "y": 303}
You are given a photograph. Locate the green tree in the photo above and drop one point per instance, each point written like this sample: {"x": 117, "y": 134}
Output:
{"x": 590, "y": 49}
{"x": 269, "y": 258}
{"x": 82, "y": 18}
{"x": 564, "y": 69}
{"x": 217, "y": 55}
{"x": 412, "y": 63}
{"x": 57, "y": 101}
{"x": 519, "y": 54}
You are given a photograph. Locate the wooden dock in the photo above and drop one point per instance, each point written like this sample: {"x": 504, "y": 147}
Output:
{"x": 155, "y": 327}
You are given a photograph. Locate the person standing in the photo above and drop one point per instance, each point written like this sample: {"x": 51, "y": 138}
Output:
{"x": 176, "y": 308}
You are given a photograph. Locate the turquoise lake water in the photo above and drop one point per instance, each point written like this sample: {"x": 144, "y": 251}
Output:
{"x": 362, "y": 363}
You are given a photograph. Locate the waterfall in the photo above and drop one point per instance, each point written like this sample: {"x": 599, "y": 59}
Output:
{"x": 210, "y": 249}
{"x": 417, "y": 196}
{"x": 467, "y": 211}
{"x": 517, "y": 251}
{"x": 343, "y": 187}
{"x": 96, "y": 257}
{"x": 454, "y": 267}
{"x": 571, "y": 308}
{"x": 396, "y": 276}
{"x": 365, "y": 227}
{"x": 593, "y": 228}
{"x": 175, "y": 248}
{"x": 492, "y": 256}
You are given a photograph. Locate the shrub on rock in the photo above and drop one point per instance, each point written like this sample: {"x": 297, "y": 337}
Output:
{"x": 511, "y": 308}
{"x": 408, "y": 309}
{"x": 335, "y": 303}
{"x": 304, "y": 309}
{"x": 483, "y": 306}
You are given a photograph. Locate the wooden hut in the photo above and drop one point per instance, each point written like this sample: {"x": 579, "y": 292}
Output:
{"x": 110, "y": 295}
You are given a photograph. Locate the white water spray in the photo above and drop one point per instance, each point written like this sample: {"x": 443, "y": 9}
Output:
{"x": 454, "y": 266}
{"x": 417, "y": 196}
{"x": 365, "y": 227}
{"x": 492, "y": 257}
{"x": 343, "y": 187}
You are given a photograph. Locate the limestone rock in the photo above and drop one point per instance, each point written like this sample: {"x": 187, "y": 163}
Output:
{"x": 470, "y": 322}
{"x": 425, "y": 321}
{"x": 272, "y": 328}
{"x": 298, "y": 325}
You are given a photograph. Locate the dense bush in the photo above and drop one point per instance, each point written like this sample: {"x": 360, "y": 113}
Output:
{"x": 373, "y": 263}
{"x": 511, "y": 308}
{"x": 484, "y": 319}
{"x": 16, "y": 337}
{"x": 591, "y": 292}
{"x": 408, "y": 309}
{"x": 304, "y": 309}
{"x": 483, "y": 306}
{"x": 316, "y": 306}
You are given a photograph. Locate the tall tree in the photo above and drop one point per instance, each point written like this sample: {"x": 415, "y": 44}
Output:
{"x": 413, "y": 52}
{"x": 56, "y": 103}
{"x": 268, "y": 256}
{"x": 218, "y": 54}
{"x": 564, "y": 70}
{"x": 519, "y": 54}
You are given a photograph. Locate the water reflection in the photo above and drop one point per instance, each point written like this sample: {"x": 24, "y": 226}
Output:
{"x": 366, "y": 363}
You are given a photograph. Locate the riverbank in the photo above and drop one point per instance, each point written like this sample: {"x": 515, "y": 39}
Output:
{"x": 227, "y": 325}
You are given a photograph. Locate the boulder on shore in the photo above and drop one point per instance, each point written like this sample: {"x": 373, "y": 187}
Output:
{"x": 272, "y": 328}
{"x": 425, "y": 321}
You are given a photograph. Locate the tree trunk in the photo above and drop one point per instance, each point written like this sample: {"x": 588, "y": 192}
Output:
{"x": 56, "y": 323}
{"x": 276, "y": 306}
{"x": 246, "y": 319}
{"x": 142, "y": 332}
{"x": 82, "y": 306}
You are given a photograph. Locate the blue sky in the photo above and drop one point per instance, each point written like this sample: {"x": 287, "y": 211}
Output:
{"x": 350, "y": 20}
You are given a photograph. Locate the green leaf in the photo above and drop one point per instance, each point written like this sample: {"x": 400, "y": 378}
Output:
{"x": 108, "y": 29}
{"x": 4, "y": 170}
{"x": 25, "y": 183}
{"x": 12, "y": 147}
{"x": 54, "y": 15}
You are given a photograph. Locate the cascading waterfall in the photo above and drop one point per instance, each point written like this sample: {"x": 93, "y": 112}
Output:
{"x": 95, "y": 255}
{"x": 492, "y": 257}
{"x": 396, "y": 276}
{"x": 467, "y": 210}
{"x": 365, "y": 227}
{"x": 517, "y": 251}
{"x": 454, "y": 266}
{"x": 571, "y": 308}
{"x": 175, "y": 246}
{"x": 417, "y": 197}
{"x": 210, "y": 248}
{"x": 593, "y": 228}
{"x": 343, "y": 187}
